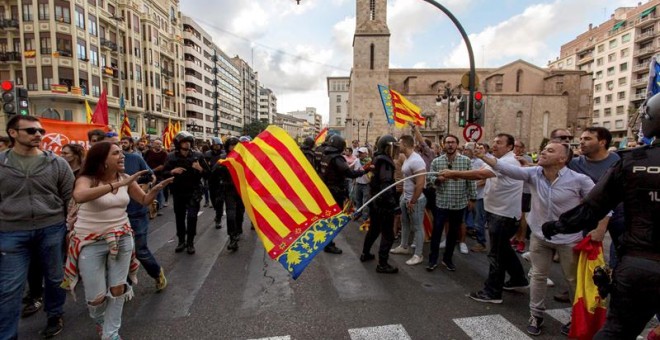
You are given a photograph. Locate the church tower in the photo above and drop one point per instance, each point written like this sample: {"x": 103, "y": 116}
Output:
{"x": 371, "y": 59}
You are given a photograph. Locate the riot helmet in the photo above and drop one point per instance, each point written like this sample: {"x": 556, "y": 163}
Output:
{"x": 231, "y": 141}
{"x": 651, "y": 117}
{"x": 308, "y": 143}
{"x": 244, "y": 139}
{"x": 183, "y": 136}
{"x": 388, "y": 145}
{"x": 336, "y": 142}
{"x": 216, "y": 141}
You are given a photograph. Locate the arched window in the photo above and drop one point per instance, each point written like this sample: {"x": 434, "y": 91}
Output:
{"x": 372, "y": 9}
{"x": 519, "y": 75}
{"x": 371, "y": 55}
{"x": 50, "y": 113}
{"x": 519, "y": 123}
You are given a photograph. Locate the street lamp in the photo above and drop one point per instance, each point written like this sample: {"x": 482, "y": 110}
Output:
{"x": 366, "y": 138}
{"x": 357, "y": 123}
{"x": 447, "y": 97}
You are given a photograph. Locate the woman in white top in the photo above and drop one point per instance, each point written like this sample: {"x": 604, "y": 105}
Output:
{"x": 101, "y": 247}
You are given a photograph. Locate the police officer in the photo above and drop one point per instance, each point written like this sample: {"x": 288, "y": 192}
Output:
{"x": 384, "y": 207}
{"x": 334, "y": 170}
{"x": 307, "y": 148}
{"x": 188, "y": 167}
{"x": 229, "y": 194}
{"x": 635, "y": 180}
{"x": 212, "y": 156}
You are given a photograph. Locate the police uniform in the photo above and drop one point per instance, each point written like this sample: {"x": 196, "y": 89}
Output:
{"x": 635, "y": 181}
{"x": 212, "y": 157}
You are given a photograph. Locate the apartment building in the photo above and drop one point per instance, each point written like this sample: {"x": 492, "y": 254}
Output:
{"x": 267, "y": 105}
{"x": 213, "y": 95}
{"x": 250, "y": 89}
{"x": 618, "y": 54}
{"x": 314, "y": 120}
{"x": 67, "y": 52}
{"x": 338, "y": 102}
{"x": 297, "y": 128}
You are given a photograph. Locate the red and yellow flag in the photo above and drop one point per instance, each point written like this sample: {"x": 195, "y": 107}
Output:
{"x": 291, "y": 208}
{"x": 398, "y": 109}
{"x": 321, "y": 137}
{"x": 167, "y": 135}
{"x": 589, "y": 309}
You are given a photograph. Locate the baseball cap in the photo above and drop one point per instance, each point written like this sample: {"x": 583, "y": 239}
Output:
{"x": 363, "y": 150}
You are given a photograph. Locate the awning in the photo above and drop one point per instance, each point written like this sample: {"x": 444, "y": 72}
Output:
{"x": 618, "y": 25}
{"x": 647, "y": 12}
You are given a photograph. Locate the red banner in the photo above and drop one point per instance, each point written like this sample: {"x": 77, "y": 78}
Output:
{"x": 60, "y": 133}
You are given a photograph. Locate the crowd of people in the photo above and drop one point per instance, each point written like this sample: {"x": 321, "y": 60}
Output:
{"x": 94, "y": 203}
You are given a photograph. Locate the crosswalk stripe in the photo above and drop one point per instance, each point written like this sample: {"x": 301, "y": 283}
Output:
{"x": 189, "y": 273}
{"x": 349, "y": 277}
{"x": 275, "y": 338}
{"x": 489, "y": 327}
{"x": 388, "y": 332}
{"x": 563, "y": 315}
{"x": 267, "y": 285}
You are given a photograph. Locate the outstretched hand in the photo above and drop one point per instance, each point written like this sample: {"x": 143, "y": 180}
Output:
{"x": 130, "y": 179}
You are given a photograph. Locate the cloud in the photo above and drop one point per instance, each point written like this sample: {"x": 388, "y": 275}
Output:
{"x": 526, "y": 35}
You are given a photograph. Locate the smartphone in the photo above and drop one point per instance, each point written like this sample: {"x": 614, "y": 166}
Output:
{"x": 470, "y": 145}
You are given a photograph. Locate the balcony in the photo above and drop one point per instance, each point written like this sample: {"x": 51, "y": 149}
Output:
{"x": 108, "y": 44}
{"x": 168, "y": 93}
{"x": 167, "y": 73}
{"x": 585, "y": 58}
{"x": 10, "y": 57}
{"x": 640, "y": 67}
{"x": 640, "y": 82}
{"x": 645, "y": 36}
{"x": 644, "y": 51}
{"x": 9, "y": 23}
{"x": 110, "y": 72}
{"x": 651, "y": 18}
{"x": 638, "y": 96}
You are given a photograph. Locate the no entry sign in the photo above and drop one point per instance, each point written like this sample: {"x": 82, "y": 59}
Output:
{"x": 472, "y": 132}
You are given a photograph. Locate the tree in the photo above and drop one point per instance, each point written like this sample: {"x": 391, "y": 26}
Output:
{"x": 254, "y": 128}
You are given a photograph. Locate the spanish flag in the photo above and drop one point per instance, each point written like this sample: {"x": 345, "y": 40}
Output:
{"x": 292, "y": 210}
{"x": 589, "y": 309}
{"x": 321, "y": 137}
{"x": 398, "y": 109}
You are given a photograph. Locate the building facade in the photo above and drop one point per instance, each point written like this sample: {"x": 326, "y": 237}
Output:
{"x": 250, "y": 89}
{"x": 618, "y": 52}
{"x": 295, "y": 127}
{"x": 313, "y": 119}
{"x": 267, "y": 105}
{"x": 338, "y": 103}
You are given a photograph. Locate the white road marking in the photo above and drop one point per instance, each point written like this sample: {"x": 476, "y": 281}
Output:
{"x": 286, "y": 337}
{"x": 488, "y": 327}
{"x": 563, "y": 315}
{"x": 389, "y": 332}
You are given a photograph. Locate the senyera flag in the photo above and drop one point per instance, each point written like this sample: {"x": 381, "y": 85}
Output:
{"x": 589, "y": 309}
{"x": 398, "y": 109}
{"x": 292, "y": 210}
{"x": 321, "y": 137}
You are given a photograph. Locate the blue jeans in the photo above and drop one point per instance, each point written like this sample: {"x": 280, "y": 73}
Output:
{"x": 414, "y": 220}
{"x": 140, "y": 225}
{"x": 100, "y": 272}
{"x": 17, "y": 249}
{"x": 361, "y": 197}
{"x": 479, "y": 214}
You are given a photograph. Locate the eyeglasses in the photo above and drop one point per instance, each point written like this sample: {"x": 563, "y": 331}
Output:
{"x": 564, "y": 137}
{"x": 32, "y": 131}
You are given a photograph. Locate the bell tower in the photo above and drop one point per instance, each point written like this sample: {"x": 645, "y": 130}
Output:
{"x": 371, "y": 59}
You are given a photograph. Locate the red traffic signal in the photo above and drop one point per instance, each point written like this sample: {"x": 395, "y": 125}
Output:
{"x": 478, "y": 95}
{"x": 7, "y": 85}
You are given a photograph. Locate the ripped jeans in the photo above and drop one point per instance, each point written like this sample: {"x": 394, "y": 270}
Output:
{"x": 99, "y": 272}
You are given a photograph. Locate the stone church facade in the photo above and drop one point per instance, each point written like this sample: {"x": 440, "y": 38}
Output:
{"x": 520, "y": 98}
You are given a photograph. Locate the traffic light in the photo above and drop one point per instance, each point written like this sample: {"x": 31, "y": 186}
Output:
{"x": 22, "y": 101}
{"x": 461, "y": 112}
{"x": 8, "y": 97}
{"x": 478, "y": 104}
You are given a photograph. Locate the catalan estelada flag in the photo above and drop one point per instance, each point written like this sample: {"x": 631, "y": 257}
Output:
{"x": 291, "y": 208}
{"x": 398, "y": 109}
{"x": 321, "y": 137}
{"x": 589, "y": 309}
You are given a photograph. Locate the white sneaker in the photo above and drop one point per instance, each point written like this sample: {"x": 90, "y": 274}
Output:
{"x": 416, "y": 259}
{"x": 400, "y": 250}
{"x": 463, "y": 247}
{"x": 443, "y": 244}
{"x": 526, "y": 256}
{"x": 549, "y": 283}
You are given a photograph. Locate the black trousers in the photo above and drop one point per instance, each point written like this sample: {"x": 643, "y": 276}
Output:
{"x": 235, "y": 212}
{"x": 455, "y": 218}
{"x": 634, "y": 300}
{"x": 186, "y": 207}
{"x": 502, "y": 257}
{"x": 381, "y": 223}
{"x": 217, "y": 201}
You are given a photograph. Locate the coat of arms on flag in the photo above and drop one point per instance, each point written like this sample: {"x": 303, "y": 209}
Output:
{"x": 291, "y": 208}
{"x": 398, "y": 109}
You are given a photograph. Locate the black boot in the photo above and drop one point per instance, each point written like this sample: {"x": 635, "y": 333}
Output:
{"x": 233, "y": 243}
{"x": 191, "y": 247}
{"x": 332, "y": 249}
{"x": 386, "y": 269}
{"x": 218, "y": 224}
{"x": 367, "y": 257}
{"x": 181, "y": 246}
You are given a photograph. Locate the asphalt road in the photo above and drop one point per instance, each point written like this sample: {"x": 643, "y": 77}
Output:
{"x": 215, "y": 294}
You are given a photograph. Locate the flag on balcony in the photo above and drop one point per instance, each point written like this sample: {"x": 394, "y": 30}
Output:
{"x": 291, "y": 208}
{"x": 125, "y": 130}
{"x": 321, "y": 137}
{"x": 398, "y": 109}
{"x": 89, "y": 112}
{"x": 100, "y": 115}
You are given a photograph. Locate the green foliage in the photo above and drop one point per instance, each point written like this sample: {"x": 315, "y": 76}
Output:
{"x": 254, "y": 128}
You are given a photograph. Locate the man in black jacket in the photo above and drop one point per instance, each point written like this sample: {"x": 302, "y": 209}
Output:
{"x": 635, "y": 181}
{"x": 188, "y": 167}
{"x": 384, "y": 207}
{"x": 212, "y": 157}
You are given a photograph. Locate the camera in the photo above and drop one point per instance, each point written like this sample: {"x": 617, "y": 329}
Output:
{"x": 603, "y": 280}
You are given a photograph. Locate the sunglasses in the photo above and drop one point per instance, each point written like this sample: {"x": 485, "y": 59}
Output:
{"x": 32, "y": 131}
{"x": 564, "y": 137}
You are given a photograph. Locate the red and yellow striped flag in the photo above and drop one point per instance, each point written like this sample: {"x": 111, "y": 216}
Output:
{"x": 291, "y": 208}
{"x": 321, "y": 137}
{"x": 589, "y": 309}
{"x": 167, "y": 135}
{"x": 398, "y": 109}
{"x": 125, "y": 130}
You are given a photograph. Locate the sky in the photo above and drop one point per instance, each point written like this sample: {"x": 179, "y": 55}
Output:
{"x": 296, "y": 47}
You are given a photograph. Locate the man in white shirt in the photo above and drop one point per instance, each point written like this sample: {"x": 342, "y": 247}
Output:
{"x": 361, "y": 187}
{"x": 503, "y": 215}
